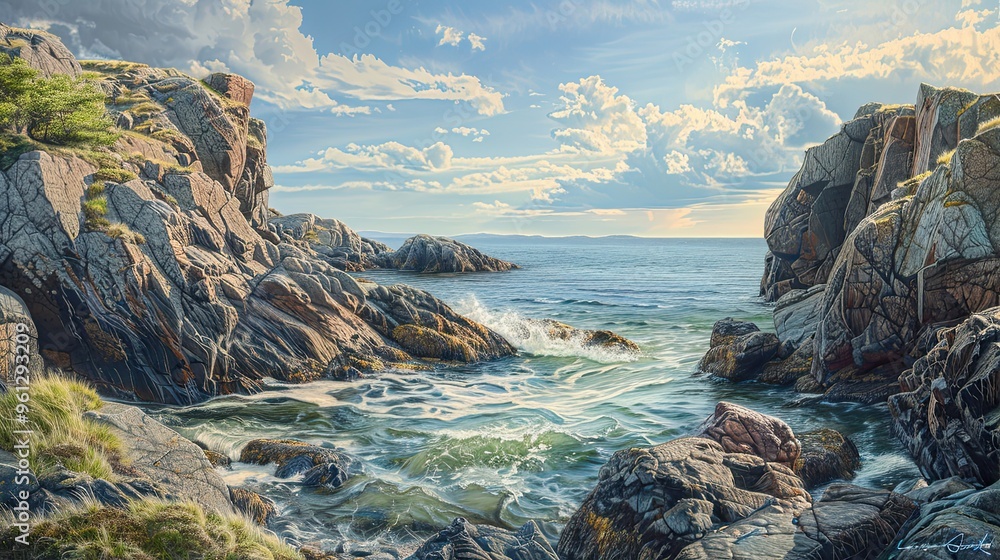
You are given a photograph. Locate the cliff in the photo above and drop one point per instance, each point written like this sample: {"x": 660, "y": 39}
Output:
{"x": 155, "y": 269}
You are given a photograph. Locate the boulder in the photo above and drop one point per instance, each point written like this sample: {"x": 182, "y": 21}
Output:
{"x": 177, "y": 466}
{"x": 788, "y": 370}
{"x": 741, "y": 430}
{"x": 738, "y": 350}
{"x": 464, "y": 541}
{"x": 826, "y": 455}
{"x": 650, "y": 503}
{"x": 331, "y": 240}
{"x": 41, "y": 50}
{"x": 425, "y": 253}
{"x": 233, "y": 86}
{"x": 946, "y": 414}
{"x": 18, "y": 336}
{"x": 588, "y": 338}
{"x": 847, "y": 522}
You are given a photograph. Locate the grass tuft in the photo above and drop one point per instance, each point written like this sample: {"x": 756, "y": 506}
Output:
{"x": 988, "y": 125}
{"x": 150, "y": 529}
{"x": 116, "y": 174}
{"x": 125, "y": 233}
{"x": 945, "y": 158}
{"x": 61, "y": 434}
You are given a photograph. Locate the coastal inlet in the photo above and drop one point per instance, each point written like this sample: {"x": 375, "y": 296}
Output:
{"x": 523, "y": 438}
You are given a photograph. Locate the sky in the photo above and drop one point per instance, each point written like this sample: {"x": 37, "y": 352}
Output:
{"x": 678, "y": 118}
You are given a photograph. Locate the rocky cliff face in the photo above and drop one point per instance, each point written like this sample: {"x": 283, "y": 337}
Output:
{"x": 156, "y": 270}
{"x": 893, "y": 219}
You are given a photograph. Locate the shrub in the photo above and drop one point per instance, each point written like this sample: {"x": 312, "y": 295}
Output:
{"x": 58, "y": 109}
{"x": 11, "y": 148}
{"x": 150, "y": 529}
{"x": 61, "y": 434}
{"x": 95, "y": 190}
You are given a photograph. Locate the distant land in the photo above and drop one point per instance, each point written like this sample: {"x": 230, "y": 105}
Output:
{"x": 395, "y": 239}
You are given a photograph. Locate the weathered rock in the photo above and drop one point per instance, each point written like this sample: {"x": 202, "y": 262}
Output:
{"x": 961, "y": 526}
{"x": 41, "y": 50}
{"x": 848, "y": 522}
{"x": 17, "y": 331}
{"x": 826, "y": 455}
{"x": 331, "y": 240}
{"x": 322, "y": 466}
{"x": 805, "y": 225}
{"x": 925, "y": 257}
{"x": 788, "y": 370}
{"x": 795, "y": 317}
{"x": 946, "y": 417}
{"x": 465, "y": 541}
{"x": 427, "y": 328}
{"x": 587, "y": 338}
{"x": 741, "y": 430}
{"x": 738, "y": 350}
{"x": 232, "y": 86}
{"x": 258, "y": 508}
{"x": 178, "y": 467}
{"x": 922, "y": 492}
{"x": 651, "y": 503}
{"x": 425, "y": 253}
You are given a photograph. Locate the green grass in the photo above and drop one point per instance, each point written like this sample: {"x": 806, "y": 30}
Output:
{"x": 125, "y": 233}
{"x": 149, "y": 529}
{"x": 110, "y": 66}
{"x": 12, "y": 146}
{"x": 61, "y": 434}
{"x": 145, "y": 109}
{"x": 116, "y": 174}
{"x": 94, "y": 212}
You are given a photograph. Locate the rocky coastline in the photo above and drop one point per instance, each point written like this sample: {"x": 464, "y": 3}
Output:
{"x": 882, "y": 261}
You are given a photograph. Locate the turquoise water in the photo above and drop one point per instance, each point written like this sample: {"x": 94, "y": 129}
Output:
{"x": 524, "y": 437}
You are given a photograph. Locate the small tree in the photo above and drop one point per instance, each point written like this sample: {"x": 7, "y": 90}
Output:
{"x": 57, "y": 110}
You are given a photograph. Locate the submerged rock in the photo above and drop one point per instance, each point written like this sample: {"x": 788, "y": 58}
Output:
{"x": 588, "y": 338}
{"x": 464, "y": 541}
{"x": 425, "y": 253}
{"x": 322, "y": 466}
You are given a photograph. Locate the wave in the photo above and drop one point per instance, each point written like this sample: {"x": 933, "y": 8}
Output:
{"x": 533, "y": 337}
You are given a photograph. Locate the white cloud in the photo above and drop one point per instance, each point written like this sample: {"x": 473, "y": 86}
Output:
{"x": 389, "y": 155}
{"x": 453, "y": 37}
{"x": 955, "y": 56}
{"x": 261, "y": 40}
{"x": 477, "y": 42}
{"x": 449, "y": 35}
{"x": 368, "y": 77}
{"x": 595, "y": 118}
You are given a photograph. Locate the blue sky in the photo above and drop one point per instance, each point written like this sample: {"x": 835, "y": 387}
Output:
{"x": 555, "y": 117}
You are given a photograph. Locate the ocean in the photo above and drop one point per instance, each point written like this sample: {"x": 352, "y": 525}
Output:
{"x": 524, "y": 438}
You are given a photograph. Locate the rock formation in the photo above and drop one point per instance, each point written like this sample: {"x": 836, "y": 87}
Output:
{"x": 156, "y": 270}
{"x": 425, "y": 253}
{"x": 705, "y": 497}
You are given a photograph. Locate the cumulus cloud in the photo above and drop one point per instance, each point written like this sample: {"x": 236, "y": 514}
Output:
{"x": 596, "y": 118}
{"x": 261, "y": 40}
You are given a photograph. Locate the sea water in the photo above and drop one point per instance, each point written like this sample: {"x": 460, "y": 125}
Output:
{"x": 523, "y": 438}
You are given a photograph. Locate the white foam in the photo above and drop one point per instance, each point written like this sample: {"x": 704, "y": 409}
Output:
{"x": 532, "y": 337}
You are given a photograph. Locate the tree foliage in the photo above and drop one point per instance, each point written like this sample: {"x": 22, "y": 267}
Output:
{"x": 56, "y": 110}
